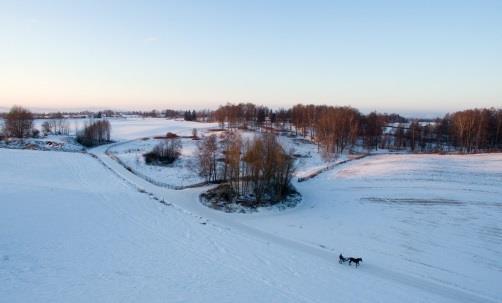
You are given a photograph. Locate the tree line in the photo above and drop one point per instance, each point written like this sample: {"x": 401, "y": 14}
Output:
{"x": 336, "y": 129}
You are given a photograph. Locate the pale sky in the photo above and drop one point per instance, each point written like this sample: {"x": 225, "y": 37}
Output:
{"x": 429, "y": 56}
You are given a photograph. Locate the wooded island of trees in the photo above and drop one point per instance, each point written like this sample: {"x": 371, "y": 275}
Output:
{"x": 257, "y": 170}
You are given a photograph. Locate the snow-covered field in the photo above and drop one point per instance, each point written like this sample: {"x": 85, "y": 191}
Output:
{"x": 133, "y": 128}
{"x": 136, "y": 127}
{"x": 74, "y": 228}
{"x": 429, "y": 216}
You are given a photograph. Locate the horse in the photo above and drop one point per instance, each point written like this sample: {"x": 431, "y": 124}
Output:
{"x": 355, "y": 260}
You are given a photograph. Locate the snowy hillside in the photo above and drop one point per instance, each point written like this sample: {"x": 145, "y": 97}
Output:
{"x": 71, "y": 231}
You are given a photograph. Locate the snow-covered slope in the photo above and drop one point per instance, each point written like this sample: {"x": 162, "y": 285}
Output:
{"x": 74, "y": 229}
{"x": 429, "y": 216}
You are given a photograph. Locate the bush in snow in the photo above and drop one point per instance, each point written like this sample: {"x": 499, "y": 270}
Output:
{"x": 94, "y": 133}
{"x": 166, "y": 152}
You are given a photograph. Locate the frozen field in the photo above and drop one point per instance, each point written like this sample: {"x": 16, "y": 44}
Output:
{"x": 77, "y": 229}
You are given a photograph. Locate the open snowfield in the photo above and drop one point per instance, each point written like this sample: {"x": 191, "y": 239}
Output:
{"x": 74, "y": 228}
{"x": 137, "y": 127}
{"x": 133, "y": 128}
{"x": 430, "y": 216}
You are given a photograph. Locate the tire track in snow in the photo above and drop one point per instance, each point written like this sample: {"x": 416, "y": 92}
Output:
{"x": 442, "y": 290}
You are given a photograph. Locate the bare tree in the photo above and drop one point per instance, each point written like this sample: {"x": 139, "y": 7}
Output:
{"x": 207, "y": 153}
{"x": 46, "y": 128}
{"x": 19, "y": 122}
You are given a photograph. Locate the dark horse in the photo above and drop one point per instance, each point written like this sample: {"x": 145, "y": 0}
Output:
{"x": 355, "y": 260}
{"x": 341, "y": 259}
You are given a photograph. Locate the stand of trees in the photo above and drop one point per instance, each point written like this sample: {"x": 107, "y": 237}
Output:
{"x": 190, "y": 115}
{"x": 94, "y": 133}
{"x": 335, "y": 129}
{"x": 257, "y": 171}
{"x": 56, "y": 124}
{"x": 469, "y": 131}
{"x": 267, "y": 169}
{"x": 18, "y": 123}
{"x": 242, "y": 115}
{"x": 474, "y": 130}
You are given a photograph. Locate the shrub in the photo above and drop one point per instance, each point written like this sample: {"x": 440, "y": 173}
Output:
{"x": 170, "y": 135}
{"x": 35, "y": 133}
{"x": 94, "y": 133}
{"x": 46, "y": 128}
{"x": 166, "y": 152}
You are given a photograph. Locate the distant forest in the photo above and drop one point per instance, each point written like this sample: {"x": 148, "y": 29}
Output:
{"x": 334, "y": 129}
